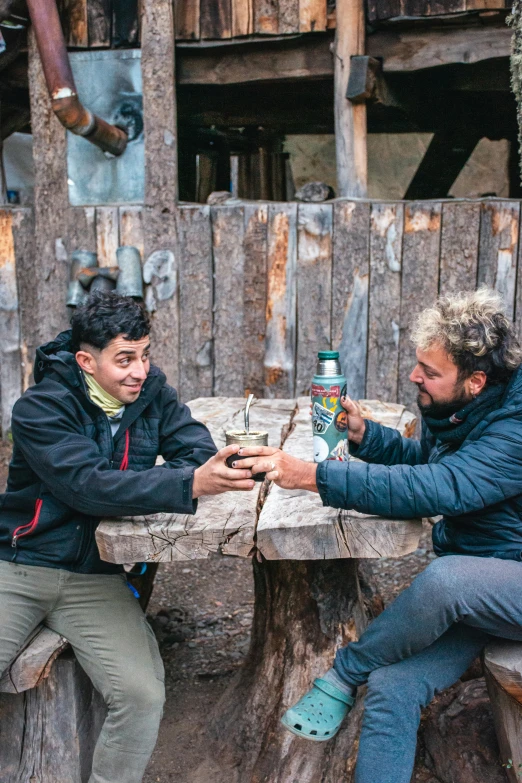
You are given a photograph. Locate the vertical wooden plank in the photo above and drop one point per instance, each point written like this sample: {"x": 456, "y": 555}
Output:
{"x": 331, "y": 16}
{"x": 74, "y": 19}
{"x": 281, "y": 311}
{"x": 350, "y": 118}
{"x": 125, "y": 23}
{"x": 242, "y": 17}
{"x": 195, "y": 303}
{"x": 498, "y": 246}
{"x": 288, "y": 16}
{"x": 187, "y": 20}
{"x": 81, "y": 231}
{"x": 227, "y": 245}
{"x": 255, "y": 276}
{"x": 312, "y": 16}
{"x": 161, "y": 180}
{"x": 10, "y": 359}
{"x": 420, "y": 282}
{"x": 266, "y": 17}
{"x": 99, "y": 23}
{"x": 107, "y": 235}
{"x": 216, "y": 18}
{"x": 314, "y": 289}
{"x": 386, "y": 223}
{"x": 50, "y": 275}
{"x": 459, "y": 246}
{"x": 131, "y": 227}
{"x": 25, "y": 253}
{"x": 350, "y": 283}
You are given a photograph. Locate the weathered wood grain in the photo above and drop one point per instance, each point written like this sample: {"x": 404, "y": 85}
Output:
{"x": 266, "y": 17}
{"x": 107, "y": 235}
{"x": 242, "y": 17}
{"x": 229, "y": 260}
{"x": 350, "y": 281}
{"x": 349, "y": 118}
{"x": 161, "y": 180}
{"x": 281, "y": 301}
{"x": 81, "y": 229}
{"x": 255, "y": 296}
{"x": 288, "y": 16}
{"x": 503, "y": 670}
{"x": 314, "y": 289}
{"x": 24, "y": 247}
{"x": 223, "y": 523}
{"x": 459, "y": 246}
{"x": 498, "y": 249}
{"x": 384, "y": 301}
{"x": 187, "y": 20}
{"x": 33, "y": 663}
{"x": 216, "y": 18}
{"x": 47, "y": 734}
{"x": 419, "y": 283}
{"x": 195, "y": 303}
{"x": 49, "y": 277}
{"x": 294, "y": 524}
{"x": 131, "y": 227}
{"x": 99, "y": 18}
{"x": 312, "y": 16}
{"x": 10, "y": 357}
{"x": 75, "y": 23}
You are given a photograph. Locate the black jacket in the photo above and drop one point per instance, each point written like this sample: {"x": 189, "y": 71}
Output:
{"x": 67, "y": 471}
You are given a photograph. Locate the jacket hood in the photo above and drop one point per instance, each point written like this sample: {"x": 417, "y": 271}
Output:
{"x": 55, "y": 360}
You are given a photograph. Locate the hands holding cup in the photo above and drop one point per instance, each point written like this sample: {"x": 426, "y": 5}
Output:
{"x": 281, "y": 468}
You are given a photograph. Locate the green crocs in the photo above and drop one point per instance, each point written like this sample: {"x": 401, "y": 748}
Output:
{"x": 319, "y": 714}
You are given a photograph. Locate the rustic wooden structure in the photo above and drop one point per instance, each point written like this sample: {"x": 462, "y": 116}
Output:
{"x": 503, "y": 669}
{"x": 307, "y": 595}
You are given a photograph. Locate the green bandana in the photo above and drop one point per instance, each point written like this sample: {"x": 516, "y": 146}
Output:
{"x": 109, "y": 404}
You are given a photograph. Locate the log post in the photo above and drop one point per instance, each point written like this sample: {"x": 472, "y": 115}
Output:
{"x": 161, "y": 181}
{"x": 350, "y": 118}
{"x": 503, "y": 670}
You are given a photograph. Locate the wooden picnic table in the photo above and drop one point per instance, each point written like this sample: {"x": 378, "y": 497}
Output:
{"x": 308, "y": 597}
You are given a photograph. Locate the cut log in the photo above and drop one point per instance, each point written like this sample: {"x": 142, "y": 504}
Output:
{"x": 33, "y": 663}
{"x": 223, "y": 523}
{"x": 503, "y": 670}
{"x": 48, "y": 733}
{"x": 294, "y": 524}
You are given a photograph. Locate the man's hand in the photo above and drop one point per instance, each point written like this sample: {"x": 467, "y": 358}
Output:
{"x": 214, "y": 477}
{"x": 285, "y": 471}
{"x": 356, "y": 423}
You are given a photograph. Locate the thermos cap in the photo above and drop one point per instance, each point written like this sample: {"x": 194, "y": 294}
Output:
{"x": 328, "y": 354}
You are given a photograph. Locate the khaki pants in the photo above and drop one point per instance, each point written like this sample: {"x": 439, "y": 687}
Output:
{"x": 113, "y": 643}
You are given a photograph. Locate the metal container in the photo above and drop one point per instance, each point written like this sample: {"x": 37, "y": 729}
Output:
{"x": 130, "y": 280}
{"x": 329, "y": 419}
{"x": 101, "y": 283}
{"x": 80, "y": 259}
{"x": 244, "y": 438}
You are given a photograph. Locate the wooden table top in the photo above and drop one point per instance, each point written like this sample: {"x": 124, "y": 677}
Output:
{"x": 281, "y": 524}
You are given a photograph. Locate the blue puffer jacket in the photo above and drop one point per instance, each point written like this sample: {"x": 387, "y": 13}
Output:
{"x": 477, "y": 487}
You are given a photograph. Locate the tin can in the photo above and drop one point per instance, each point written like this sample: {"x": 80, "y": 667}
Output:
{"x": 329, "y": 419}
{"x": 244, "y": 438}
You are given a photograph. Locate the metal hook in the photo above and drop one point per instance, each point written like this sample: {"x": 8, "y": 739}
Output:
{"x": 247, "y": 413}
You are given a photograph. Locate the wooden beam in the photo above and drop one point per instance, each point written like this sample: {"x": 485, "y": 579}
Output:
{"x": 161, "y": 179}
{"x": 10, "y": 362}
{"x": 446, "y": 156}
{"x": 350, "y": 119}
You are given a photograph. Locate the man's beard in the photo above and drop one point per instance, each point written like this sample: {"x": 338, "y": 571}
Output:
{"x": 443, "y": 410}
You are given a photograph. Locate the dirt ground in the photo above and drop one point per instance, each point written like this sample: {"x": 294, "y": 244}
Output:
{"x": 201, "y": 612}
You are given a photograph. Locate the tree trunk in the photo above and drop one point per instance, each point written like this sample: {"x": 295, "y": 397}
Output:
{"x": 304, "y": 610}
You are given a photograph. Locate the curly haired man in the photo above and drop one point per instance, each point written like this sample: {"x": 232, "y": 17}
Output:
{"x": 467, "y": 467}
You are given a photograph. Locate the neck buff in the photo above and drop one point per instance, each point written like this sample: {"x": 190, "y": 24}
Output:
{"x": 455, "y": 428}
{"x": 109, "y": 404}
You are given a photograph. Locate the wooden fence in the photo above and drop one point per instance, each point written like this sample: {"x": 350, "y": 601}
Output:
{"x": 261, "y": 287}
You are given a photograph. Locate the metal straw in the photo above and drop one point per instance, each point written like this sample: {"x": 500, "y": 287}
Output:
{"x": 247, "y": 413}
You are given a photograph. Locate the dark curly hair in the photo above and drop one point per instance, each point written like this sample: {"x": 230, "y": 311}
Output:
{"x": 474, "y": 331}
{"x": 105, "y": 316}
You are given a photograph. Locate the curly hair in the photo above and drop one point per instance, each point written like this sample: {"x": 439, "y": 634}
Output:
{"x": 105, "y": 316}
{"x": 474, "y": 331}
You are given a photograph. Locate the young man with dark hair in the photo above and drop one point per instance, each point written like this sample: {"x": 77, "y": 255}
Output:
{"x": 86, "y": 437}
{"x": 467, "y": 467}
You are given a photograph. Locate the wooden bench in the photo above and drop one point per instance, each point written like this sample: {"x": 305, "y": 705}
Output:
{"x": 503, "y": 670}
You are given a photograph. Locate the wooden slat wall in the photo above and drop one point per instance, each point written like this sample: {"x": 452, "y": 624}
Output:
{"x": 263, "y": 287}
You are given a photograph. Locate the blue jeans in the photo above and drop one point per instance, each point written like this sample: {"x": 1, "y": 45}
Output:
{"x": 420, "y": 645}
